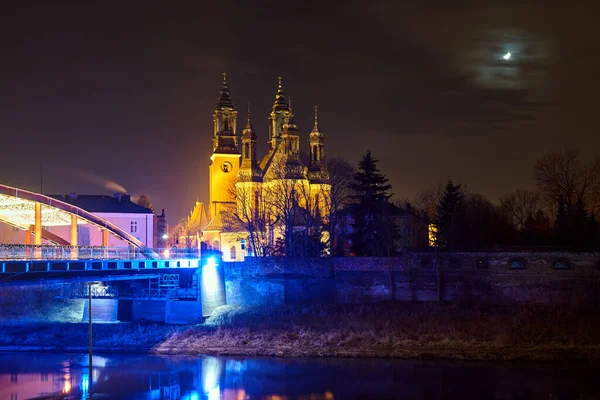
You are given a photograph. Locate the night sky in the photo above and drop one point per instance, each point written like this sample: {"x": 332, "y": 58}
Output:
{"x": 102, "y": 91}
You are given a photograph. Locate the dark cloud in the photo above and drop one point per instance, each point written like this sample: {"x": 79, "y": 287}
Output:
{"x": 126, "y": 91}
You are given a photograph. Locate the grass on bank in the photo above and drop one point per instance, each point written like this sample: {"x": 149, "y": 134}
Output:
{"x": 425, "y": 330}
{"x": 410, "y": 330}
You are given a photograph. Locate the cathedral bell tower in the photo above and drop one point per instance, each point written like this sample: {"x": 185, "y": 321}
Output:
{"x": 225, "y": 160}
{"x": 317, "y": 172}
{"x": 280, "y": 112}
{"x": 249, "y": 169}
{"x": 290, "y": 138}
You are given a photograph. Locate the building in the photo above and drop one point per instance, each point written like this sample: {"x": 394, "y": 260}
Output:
{"x": 413, "y": 229}
{"x": 256, "y": 203}
{"x": 119, "y": 210}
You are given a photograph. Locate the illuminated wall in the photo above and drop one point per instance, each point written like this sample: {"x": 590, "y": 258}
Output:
{"x": 212, "y": 288}
{"x": 223, "y": 171}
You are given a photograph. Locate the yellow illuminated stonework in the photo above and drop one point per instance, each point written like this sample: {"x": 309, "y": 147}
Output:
{"x": 251, "y": 194}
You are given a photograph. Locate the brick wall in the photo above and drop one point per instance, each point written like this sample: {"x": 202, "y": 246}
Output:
{"x": 491, "y": 278}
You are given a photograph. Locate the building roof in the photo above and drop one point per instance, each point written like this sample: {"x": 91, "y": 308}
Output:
{"x": 119, "y": 203}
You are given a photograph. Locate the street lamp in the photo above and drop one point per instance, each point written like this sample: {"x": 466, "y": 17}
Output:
{"x": 90, "y": 284}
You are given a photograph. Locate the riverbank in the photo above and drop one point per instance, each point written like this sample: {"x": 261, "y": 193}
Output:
{"x": 398, "y": 330}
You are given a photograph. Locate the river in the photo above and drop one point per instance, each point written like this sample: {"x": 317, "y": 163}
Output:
{"x": 26, "y": 375}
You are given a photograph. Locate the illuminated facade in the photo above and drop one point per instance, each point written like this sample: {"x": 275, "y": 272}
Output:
{"x": 247, "y": 193}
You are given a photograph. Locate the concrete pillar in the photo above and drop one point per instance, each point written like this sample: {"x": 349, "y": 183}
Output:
{"x": 37, "y": 239}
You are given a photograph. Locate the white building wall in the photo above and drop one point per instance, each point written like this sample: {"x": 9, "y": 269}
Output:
{"x": 89, "y": 235}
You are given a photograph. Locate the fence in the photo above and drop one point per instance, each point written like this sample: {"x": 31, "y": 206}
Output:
{"x": 19, "y": 252}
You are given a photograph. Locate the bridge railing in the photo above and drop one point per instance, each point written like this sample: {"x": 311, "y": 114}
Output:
{"x": 53, "y": 252}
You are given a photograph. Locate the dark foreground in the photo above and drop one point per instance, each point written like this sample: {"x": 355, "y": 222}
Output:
{"x": 397, "y": 330}
{"x": 61, "y": 376}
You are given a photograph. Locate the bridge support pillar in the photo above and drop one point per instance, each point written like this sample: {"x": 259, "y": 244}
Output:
{"x": 74, "y": 238}
{"x": 37, "y": 239}
{"x": 37, "y": 234}
{"x": 104, "y": 242}
{"x": 104, "y": 237}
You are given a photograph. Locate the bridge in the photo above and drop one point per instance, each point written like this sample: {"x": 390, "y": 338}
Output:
{"x": 29, "y": 264}
{"x": 31, "y": 212}
{"x": 171, "y": 275}
{"x": 179, "y": 285}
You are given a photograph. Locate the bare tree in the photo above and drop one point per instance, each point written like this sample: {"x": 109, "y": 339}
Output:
{"x": 428, "y": 199}
{"x": 313, "y": 203}
{"x": 341, "y": 177}
{"x": 521, "y": 206}
{"x": 563, "y": 175}
{"x": 283, "y": 194}
{"x": 252, "y": 213}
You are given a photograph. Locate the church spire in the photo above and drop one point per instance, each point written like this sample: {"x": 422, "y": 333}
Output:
{"x": 224, "y": 97}
{"x": 280, "y": 103}
{"x": 249, "y": 169}
{"x": 280, "y": 113}
{"x": 316, "y": 126}
{"x": 316, "y": 170}
{"x": 224, "y": 122}
{"x": 249, "y": 126}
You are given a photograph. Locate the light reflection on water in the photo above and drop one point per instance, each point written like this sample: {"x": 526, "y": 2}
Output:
{"x": 25, "y": 376}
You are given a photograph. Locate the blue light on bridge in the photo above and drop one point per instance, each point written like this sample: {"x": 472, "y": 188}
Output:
{"x": 210, "y": 273}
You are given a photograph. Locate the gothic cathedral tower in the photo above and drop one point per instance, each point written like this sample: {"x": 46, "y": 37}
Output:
{"x": 225, "y": 160}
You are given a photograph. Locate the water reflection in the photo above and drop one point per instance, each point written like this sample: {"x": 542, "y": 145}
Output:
{"x": 26, "y": 376}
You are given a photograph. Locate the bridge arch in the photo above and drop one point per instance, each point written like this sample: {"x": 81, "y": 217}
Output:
{"x": 20, "y": 208}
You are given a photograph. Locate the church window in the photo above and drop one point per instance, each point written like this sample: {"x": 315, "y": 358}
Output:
{"x": 226, "y": 125}
{"x": 133, "y": 226}
{"x": 232, "y": 252}
{"x": 216, "y": 245}
{"x": 314, "y": 153}
{"x": 247, "y": 150}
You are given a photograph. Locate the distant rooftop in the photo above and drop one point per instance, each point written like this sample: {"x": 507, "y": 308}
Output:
{"x": 119, "y": 203}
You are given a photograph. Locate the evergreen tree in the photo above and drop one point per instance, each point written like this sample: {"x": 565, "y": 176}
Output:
{"x": 373, "y": 231}
{"x": 450, "y": 220}
{"x": 562, "y": 223}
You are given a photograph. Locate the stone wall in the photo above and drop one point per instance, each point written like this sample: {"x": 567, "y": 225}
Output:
{"x": 488, "y": 278}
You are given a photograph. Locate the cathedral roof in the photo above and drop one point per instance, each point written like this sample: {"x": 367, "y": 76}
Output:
{"x": 215, "y": 224}
{"x": 224, "y": 97}
{"x": 317, "y": 174}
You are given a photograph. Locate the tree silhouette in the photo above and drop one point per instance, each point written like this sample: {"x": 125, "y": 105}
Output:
{"x": 450, "y": 216}
{"x": 373, "y": 231}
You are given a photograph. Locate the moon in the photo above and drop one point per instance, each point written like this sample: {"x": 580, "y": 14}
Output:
{"x": 507, "y": 56}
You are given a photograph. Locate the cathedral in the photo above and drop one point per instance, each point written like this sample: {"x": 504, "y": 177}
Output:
{"x": 259, "y": 205}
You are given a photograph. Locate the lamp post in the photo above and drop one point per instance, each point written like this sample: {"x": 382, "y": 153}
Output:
{"x": 90, "y": 284}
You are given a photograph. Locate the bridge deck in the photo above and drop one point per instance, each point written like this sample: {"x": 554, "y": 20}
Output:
{"x": 21, "y": 266}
